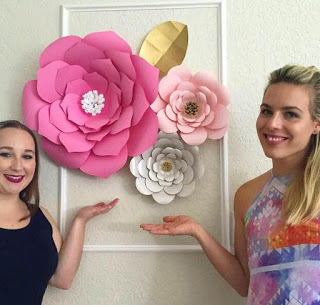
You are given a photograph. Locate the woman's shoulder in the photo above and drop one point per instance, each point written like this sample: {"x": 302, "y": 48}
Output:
{"x": 248, "y": 191}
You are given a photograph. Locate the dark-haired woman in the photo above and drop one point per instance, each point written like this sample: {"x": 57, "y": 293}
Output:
{"x": 32, "y": 253}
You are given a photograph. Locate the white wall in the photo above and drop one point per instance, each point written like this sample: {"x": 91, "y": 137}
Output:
{"x": 261, "y": 36}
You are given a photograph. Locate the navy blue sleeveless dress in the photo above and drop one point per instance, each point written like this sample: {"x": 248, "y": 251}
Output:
{"x": 28, "y": 259}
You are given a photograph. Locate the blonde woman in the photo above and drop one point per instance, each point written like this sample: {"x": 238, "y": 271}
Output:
{"x": 279, "y": 210}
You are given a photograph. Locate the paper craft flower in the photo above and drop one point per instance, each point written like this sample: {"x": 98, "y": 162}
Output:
{"x": 194, "y": 106}
{"x": 168, "y": 168}
{"x": 91, "y": 103}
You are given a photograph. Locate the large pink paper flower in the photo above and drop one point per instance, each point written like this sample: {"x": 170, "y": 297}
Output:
{"x": 194, "y": 106}
{"x": 91, "y": 103}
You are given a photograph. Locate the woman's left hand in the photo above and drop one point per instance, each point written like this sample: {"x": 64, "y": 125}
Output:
{"x": 88, "y": 212}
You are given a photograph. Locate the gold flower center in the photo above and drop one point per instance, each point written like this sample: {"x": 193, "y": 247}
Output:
{"x": 191, "y": 108}
{"x": 166, "y": 166}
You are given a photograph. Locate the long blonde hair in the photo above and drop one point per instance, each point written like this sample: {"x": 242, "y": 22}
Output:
{"x": 301, "y": 201}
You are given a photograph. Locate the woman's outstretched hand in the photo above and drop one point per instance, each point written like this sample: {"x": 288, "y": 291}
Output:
{"x": 88, "y": 212}
{"x": 173, "y": 225}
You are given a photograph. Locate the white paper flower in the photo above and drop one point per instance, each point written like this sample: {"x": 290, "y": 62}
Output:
{"x": 168, "y": 168}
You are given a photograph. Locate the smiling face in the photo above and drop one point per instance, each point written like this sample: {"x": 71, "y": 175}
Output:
{"x": 17, "y": 160}
{"x": 285, "y": 125}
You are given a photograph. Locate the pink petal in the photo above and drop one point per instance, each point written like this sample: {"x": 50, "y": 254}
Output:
{"x": 187, "y": 86}
{"x": 99, "y": 135}
{"x": 46, "y": 129}
{"x": 116, "y": 116}
{"x": 182, "y": 72}
{"x": 78, "y": 86}
{"x": 195, "y": 124}
{"x": 170, "y": 114}
{"x": 72, "y": 103}
{"x": 106, "y": 69}
{"x": 124, "y": 120}
{"x": 87, "y": 130}
{"x": 206, "y": 79}
{"x": 126, "y": 86}
{"x": 105, "y": 166}
{"x": 66, "y": 75}
{"x": 185, "y": 128}
{"x": 31, "y": 104}
{"x": 122, "y": 62}
{"x": 221, "y": 114}
{"x": 59, "y": 119}
{"x": 165, "y": 124}
{"x": 60, "y": 155}
{"x": 57, "y": 49}
{"x": 46, "y": 81}
{"x": 158, "y": 104}
{"x": 112, "y": 144}
{"x": 96, "y": 82}
{"x": 147, "y": 77}
{"x": 107, "y": 40}
{"x": 139, "y": 104}
{"x": 82, "y": 54}
{"x": 144, "y": 134}
{"x": 76, "y": 142}
{"x": 208, "y": 119}
{"x": 211, "y": 97}
{"x": 215, "y": 134}
{"x": 197, "y": 137}
{"x": 167, "y": 86}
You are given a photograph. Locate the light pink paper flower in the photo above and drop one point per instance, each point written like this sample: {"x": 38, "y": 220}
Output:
{"x": 91, "y": 103}
{"x": 194, "y": 106}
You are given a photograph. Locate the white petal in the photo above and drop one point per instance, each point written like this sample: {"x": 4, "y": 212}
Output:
{"x": 176, "y": 174}
{"x": 171, "y": 156}
{"x": 188, "y": 175}
{"x": 198, "y": 169}
{"x": 162, "y": 197}
{"x": 179, "y": 179}
{"x": 173, "y": 189}
{"x": 178, "y": 153}
{"x": 160, "y": 175}
{"x": 156, "y": 152}
{"x": 188, "y": 189}
{"x": 177, "y": 164}
{"x": 168, "y": 150}
{"x": 165, "y": 183}
{"x": 147, "y": 153}
{"x": 156, "y": 167}
{"x": 163, "y": 143}
{"x": 169, "y": 178}
{"x": 153, "y": 176}
{"x": 150, "y": 162}
{"x": 153, "y": 186}
{"x": 141, "y": 186}
{"x": 193, "y": 149}
{"x": 134, "y": 166}
{"x": 142, "y": 168}
{"x": 163, "y": 135}
{"x": 184, "y": 166}
{"x": 178, "y": 144}
{"x": 160, "y": 157}
{"x": 188, "y": 157}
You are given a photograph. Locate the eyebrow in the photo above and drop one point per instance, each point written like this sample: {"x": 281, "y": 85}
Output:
{"x": 284, "y": 108}
{"x": 10, "y": 148}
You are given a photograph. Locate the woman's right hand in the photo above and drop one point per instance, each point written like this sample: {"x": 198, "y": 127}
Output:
{"x": 174, "y": 225}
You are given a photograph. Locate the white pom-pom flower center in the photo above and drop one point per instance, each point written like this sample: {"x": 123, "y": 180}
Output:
{"x": 92, "y": 102}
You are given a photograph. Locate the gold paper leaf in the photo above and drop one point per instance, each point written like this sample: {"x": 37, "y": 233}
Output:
{"x": 166, "y": 45}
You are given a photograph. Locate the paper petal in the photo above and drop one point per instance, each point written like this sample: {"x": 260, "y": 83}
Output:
{"x": 76, "y": 142}
{"x": 31, "y": 104}
{"x": 221, "y": 117}
{"x": 99, "y": 135}
{"x": 107, "y": 40}
{"x": 141, "y": 186}
{"x": 215, "y": 134}
{"x": 123, "y": 122}
{"x": 173, "y": 189}
{"x": 182, "y": 72}
{"x": 111, "y": 145}
{"x": 61, "y": 156}
{"x": 165, "y": 124}
{"x": 162, "y": 197}
{"x": 153, "y": 186}
{"x": 66, "y": 75}
{"x": 158, "y": 104}
{"x": 46, "y": 81}
{"x": 134, "y": 166}
{"x": 147, "y": 77}
{"x": 96, "y": 82}
{"x": 46, "y": 129}
{"x": 126, "y": 85}
{"x": 82, "y": 54}
{"x": 78, "y": 86}
{"x": 167, "y": 85}
{"x": 72, "y": 103}
{"x": 139, "y": 104}
{"x": 59, "y": 119}
{"x": 187, "y": 190}
{"x": 166, "y": 45}
{"x": 103, "y": 167}
{"x": 148, "y": 127}
{"x": 197, "y": 137}
{"x": 106, "y": 69}
{"x": 57, "y": 49}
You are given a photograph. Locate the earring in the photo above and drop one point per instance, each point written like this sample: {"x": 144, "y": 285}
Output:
{"x": 315, "y": 132}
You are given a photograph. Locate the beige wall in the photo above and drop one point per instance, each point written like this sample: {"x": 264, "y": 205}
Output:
{"x": 261, "y": 36}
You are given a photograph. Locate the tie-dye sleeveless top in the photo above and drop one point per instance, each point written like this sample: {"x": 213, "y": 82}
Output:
{"x": 284, "y": 261}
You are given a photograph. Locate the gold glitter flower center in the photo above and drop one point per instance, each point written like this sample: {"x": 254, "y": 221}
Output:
{"x": 191, "y": 108}
{"x": 166, "y": 166}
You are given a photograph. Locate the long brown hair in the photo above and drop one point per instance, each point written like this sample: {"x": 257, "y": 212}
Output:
{"x": 31, "y": 192}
